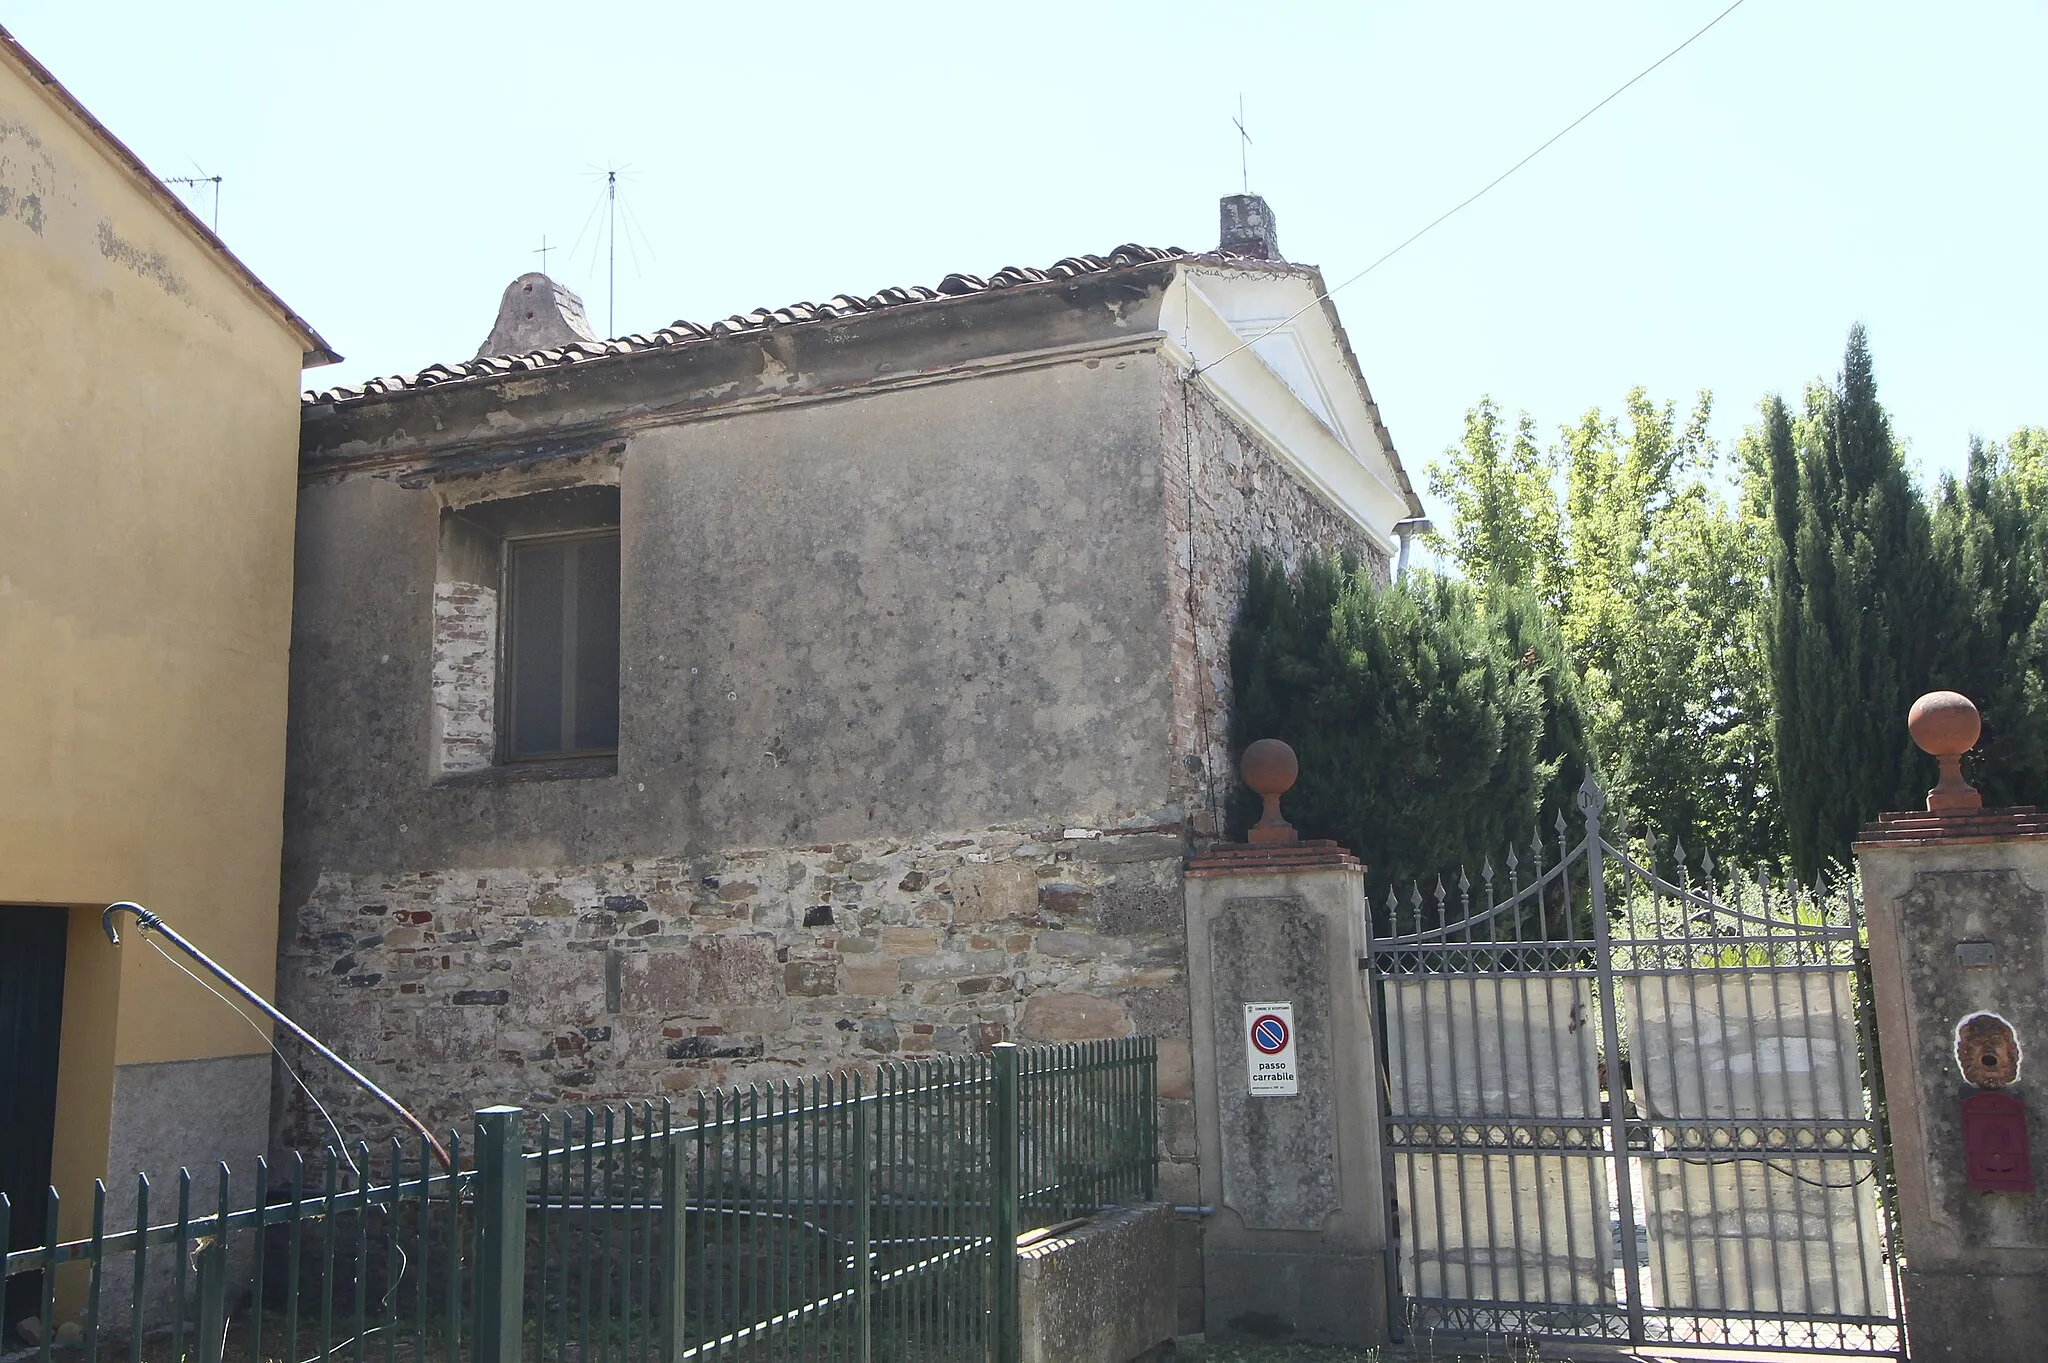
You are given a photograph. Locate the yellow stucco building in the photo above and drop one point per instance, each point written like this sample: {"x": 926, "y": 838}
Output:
{"x": 148, "y": 477}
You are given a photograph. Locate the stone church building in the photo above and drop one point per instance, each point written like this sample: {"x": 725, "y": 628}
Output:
{"x": 828, "y": 684}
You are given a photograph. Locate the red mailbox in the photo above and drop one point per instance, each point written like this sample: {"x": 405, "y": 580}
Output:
{"x": 1995, "y": 1143}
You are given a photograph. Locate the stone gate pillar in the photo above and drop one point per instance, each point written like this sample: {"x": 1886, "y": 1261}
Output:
{"x": 1286, "y": 1099}
{"x": 1957, "y": 902}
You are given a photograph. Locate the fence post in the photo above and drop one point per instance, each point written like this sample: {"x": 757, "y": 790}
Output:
{"x": 500, "y": 1234}
{"x": 1003, "y": 1134}
{"x": 674, "y": 1187}
{"x": 863, "y": 1226}
{"x": 213, "y": 1282}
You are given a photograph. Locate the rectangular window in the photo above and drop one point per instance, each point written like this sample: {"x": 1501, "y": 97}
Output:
{"x": 561, "y": 646}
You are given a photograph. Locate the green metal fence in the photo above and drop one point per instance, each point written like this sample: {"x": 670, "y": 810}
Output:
{"x": 823, "y": 1219}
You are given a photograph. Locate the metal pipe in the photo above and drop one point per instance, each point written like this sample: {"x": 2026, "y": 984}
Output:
{"x": 1406, "y": 531}
{"x": 150, "y": 922}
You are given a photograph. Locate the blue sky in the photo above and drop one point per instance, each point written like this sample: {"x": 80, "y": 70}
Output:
{"x": 388, "y": 168}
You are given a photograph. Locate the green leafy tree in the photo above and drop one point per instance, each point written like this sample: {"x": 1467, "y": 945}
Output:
{"x": 1505, "y": 522}
{"x": 1990, "y": 535}
{"x": 1860, "y": 604}
{"x": 1655, "y": 582}
{"x": 1433, "y": 720}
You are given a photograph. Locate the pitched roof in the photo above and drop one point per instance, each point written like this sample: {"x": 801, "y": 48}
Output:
{"x": 315, "y": 351}
{"x": 683, "y": 333}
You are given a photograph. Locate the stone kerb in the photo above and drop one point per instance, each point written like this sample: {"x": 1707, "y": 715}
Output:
{"x": 1295, "y": 1245}
{"x": 1956, "y": 899}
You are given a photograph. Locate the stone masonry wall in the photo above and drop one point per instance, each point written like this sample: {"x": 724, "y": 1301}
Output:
{"x": 1226, "y": 494}
{"x": 639, "y": 980}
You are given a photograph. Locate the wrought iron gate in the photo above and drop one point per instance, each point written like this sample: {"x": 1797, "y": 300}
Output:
{"x": 1626, "y": 1107}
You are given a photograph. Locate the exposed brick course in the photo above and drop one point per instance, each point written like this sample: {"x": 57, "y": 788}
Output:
{"x": 465, "y": 666}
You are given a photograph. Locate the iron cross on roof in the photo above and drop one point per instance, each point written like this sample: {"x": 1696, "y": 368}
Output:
{"x": 1244, "y": 140}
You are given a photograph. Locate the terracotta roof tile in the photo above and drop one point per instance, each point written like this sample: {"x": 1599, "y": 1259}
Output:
{"x": 682, "y": 333}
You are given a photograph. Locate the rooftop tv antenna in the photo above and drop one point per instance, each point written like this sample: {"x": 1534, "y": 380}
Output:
{"x": 611, "y": 202}
{"x": 202, "y": 178}
{"x": 543, "y": 252}
{"x": 611, "y": 290}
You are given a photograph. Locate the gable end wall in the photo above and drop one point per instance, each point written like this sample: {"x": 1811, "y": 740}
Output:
{"x": 1227, "y": 494}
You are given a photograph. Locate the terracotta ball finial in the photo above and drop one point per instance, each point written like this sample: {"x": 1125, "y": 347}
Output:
{"x": 1269, "y": 768}
{"x": 1946, "y": 725}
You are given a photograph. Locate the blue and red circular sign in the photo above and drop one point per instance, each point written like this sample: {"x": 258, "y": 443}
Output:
{"x": 1269, "y": 1034}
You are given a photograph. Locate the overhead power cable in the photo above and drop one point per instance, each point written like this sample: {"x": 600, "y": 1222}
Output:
{"x": 1481, "y": 193}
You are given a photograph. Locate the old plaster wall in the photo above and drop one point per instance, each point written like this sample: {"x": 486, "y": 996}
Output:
{"x": 932, "y": 608}
{"x": 147, "y": 482}
{"x": 879, "y": 656}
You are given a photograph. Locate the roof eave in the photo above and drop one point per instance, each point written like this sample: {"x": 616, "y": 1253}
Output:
{"x": 684, "y": 335}
{"x": 314, "y": 350}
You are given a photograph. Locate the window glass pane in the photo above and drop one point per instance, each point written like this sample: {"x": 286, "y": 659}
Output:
{"x": 535, "y": 647}
{"x": 597, "y": 644}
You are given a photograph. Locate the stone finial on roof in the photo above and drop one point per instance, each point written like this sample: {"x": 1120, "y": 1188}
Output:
{"x": 1248, "y": 228}
{"x": 536, "y": 314}
{"x": 1946, "y": 725}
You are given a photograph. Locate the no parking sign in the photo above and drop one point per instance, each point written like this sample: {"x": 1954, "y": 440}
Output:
{"x": 1269, "y": 1049}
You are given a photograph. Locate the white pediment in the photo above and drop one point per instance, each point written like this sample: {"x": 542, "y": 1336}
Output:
{"x": 1262, "y": 343}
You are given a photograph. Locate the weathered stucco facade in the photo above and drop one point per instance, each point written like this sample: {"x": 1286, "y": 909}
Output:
{"x": 148, "y": 478}
{"x": 923, "y": 699}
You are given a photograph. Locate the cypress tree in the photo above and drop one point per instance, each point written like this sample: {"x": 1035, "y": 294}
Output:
{"x": 1854, "y": 638}
{"x": 1433, "y": 722}
{"x": 1991, "y": 539}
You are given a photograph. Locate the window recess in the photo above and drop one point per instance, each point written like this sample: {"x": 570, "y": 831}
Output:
{"x": 526, "y": 633}
{"x": 561, "y": 651}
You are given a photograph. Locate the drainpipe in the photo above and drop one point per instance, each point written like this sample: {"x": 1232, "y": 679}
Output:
{"x": 1407, "y": 531}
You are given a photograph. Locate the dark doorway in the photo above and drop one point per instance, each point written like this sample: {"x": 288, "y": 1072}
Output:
{"x": 31, "y": 1015}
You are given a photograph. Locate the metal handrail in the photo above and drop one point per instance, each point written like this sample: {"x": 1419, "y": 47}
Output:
{"x": 150, "y": 922}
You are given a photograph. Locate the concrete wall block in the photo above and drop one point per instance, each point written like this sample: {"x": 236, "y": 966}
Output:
{"x": 1176, "y": 1068}
{"x": 1102, "y": 1293}
{"x": 951, "y": 965}
{"x": 869, "y": 976}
